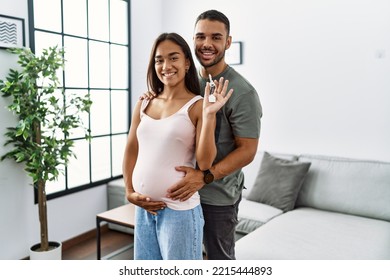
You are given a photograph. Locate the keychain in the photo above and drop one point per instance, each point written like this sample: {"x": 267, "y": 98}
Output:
{"x": 212, "y": 89}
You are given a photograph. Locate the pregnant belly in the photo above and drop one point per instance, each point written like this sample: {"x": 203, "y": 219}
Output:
{"x": 155, "y": 184}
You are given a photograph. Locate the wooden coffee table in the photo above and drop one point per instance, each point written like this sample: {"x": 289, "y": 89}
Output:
{"x": 122, "y": 215}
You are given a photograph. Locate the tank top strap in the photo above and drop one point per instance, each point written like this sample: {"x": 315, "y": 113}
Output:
{"x": 144, "y": 104}
{"x": 191, "y": 102}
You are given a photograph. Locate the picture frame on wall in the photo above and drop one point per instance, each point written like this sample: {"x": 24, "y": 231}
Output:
{"x": 233, "y": 55}
{"x": 11, "y": 32}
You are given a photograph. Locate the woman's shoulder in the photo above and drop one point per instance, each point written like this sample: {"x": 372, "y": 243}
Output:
{"x": 196, "y": 105}
{"x": 196, "y": 99}
{"x": 140, "y": 106}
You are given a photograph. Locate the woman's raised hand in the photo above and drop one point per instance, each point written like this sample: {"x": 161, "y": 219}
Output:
{"x": 221, "y": 96}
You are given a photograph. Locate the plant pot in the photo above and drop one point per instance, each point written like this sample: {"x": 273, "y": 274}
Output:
{"x": 54, "y": 253}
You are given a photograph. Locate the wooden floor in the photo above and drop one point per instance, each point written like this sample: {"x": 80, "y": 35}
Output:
{"x": 112, "y": 243}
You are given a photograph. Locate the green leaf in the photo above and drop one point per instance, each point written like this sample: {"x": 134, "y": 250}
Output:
{"x": 39, "y": 139}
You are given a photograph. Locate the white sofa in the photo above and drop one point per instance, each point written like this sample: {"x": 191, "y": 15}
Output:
{"x": 342, "y": 211}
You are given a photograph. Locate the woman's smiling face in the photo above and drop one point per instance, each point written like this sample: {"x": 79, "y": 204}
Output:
{"x": 170, "y": 63}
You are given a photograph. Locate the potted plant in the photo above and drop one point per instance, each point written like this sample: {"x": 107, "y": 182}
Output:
{"x": 46, "y": 116}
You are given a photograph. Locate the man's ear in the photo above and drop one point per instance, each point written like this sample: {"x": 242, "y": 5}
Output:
{"x": 228, "y": 42}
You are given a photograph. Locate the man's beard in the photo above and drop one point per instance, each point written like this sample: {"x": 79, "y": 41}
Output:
{"x": 214, "y": 62}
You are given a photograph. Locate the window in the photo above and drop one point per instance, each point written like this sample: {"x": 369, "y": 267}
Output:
{"x": 95, "y": 35}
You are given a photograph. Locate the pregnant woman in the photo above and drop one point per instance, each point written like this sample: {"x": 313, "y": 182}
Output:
{"x": 176, "y": 128}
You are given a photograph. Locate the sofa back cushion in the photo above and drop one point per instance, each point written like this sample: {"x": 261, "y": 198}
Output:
{"x": 251, "y": 170}
{"x": 278, "y": 182}
{"x": 356, "y": 187}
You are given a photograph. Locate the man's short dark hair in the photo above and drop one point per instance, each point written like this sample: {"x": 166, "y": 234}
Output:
{"x": 215, "y": 15}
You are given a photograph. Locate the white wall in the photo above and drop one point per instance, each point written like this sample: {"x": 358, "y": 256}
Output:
{"x": 321, "y": 69}
{"x": 16, "y": 200}
{"x": 146, "y": 18}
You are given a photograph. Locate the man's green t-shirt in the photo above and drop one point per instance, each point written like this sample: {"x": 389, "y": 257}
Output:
{"x": 239, "y": 117}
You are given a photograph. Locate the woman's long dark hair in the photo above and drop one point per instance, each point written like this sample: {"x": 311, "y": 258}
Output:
{"x": 191, "y": 77}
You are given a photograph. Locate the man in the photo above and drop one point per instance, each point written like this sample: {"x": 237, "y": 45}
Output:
{"x": 237, "y": 134}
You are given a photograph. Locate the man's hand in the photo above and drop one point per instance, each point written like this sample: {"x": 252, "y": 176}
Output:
{"x": 144, "y": 202}
{"x": 149, "y": 95}
{"x": 186, "y": 187}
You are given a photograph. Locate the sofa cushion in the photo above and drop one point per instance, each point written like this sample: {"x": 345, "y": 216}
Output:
{"x": 252, "y": 215}
{"x": 357, "y": 187}
{"x": 311, "y": 234}
{"x": 251, "y": 170}
{"x": 278, "y": 182}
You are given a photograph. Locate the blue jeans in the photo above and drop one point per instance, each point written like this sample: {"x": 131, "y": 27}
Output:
{"x": 169, "y": 235}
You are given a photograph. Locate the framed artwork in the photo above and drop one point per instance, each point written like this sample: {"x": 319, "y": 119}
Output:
{"x": 233, "y": 55}
{"x": 11, "y": 32}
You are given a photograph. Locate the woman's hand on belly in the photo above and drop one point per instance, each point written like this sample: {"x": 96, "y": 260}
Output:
{"x": 145, "y": 202}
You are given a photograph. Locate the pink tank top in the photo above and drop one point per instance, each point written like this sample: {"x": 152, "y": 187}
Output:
{"x": 164, "y": 144}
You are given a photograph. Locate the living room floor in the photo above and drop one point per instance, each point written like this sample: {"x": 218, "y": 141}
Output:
{"x": 114, "y": 244}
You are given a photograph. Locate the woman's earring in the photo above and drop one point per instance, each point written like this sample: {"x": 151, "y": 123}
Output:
{"x": 187, "y": 70}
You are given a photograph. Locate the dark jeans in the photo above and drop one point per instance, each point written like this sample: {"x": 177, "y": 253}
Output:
{"x": 219, "y": 231}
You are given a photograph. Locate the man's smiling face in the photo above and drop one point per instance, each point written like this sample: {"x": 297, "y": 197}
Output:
{"x": 210, "y": 42}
